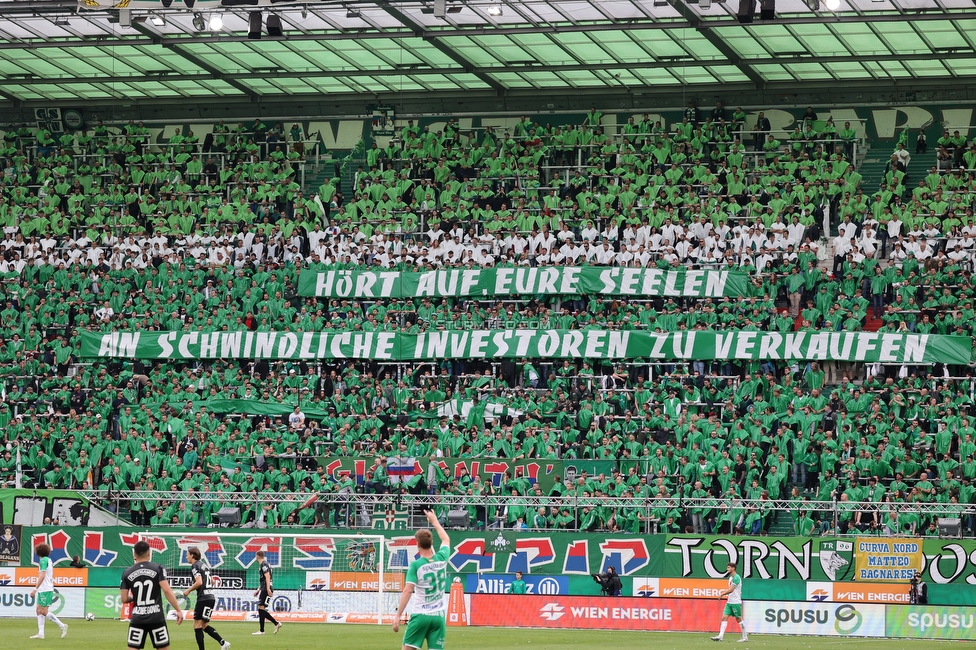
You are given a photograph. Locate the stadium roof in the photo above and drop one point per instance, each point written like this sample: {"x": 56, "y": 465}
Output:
{"x": 54, "y": 50}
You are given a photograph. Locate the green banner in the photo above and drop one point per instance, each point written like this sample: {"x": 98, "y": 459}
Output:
{"x": 951, "y": 594}
{"x": 869, "y": 347}
{"x": 593, "y": 467}
{"x": 543, "y": 280}
{"x": 776, "y": 590}
{"x": 799, "y": 558}
{"x": 537, "y": 552}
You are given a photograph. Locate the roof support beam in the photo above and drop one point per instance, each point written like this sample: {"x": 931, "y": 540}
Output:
{"x": 235, "y": 77}
{"x": 192, "y": 58}
{"x": 432, "y": 38}
{"x": 865, "y": 93}
{"x": 630, "y": 25}
{"x": 704, "y": 28}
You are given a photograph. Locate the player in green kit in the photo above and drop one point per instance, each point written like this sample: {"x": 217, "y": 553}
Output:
{"x": 733, "y": 607}
{"x": 45, "y": 592}
{"x": 426, "y": 591}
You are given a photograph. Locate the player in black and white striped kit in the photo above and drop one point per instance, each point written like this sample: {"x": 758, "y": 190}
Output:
{"x": 144, "y": 584}
{"x": 200, "y": 572}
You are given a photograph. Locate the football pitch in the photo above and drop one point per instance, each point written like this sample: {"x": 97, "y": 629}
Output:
{"x": 110, "y": 635}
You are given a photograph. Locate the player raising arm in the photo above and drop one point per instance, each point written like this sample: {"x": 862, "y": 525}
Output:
{"x": 144, "y": 584}
{"x": 200, "y": 572}
{"x": 425, "y": 590}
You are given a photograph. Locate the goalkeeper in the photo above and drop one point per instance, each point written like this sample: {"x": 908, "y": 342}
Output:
{"x": 426, "y": 591}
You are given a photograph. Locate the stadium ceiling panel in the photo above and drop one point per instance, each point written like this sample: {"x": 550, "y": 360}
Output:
{"x": 137, "y": 49}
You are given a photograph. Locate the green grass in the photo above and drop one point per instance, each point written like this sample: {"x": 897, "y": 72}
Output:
{"x": 110, "y": 635}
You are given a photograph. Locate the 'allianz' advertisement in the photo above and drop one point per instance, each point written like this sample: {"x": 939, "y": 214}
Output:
{"x": 500, "y": 583}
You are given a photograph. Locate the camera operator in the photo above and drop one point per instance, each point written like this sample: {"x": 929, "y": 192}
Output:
{"x": 609, "y": 582}
{"x": 918, "y": 592}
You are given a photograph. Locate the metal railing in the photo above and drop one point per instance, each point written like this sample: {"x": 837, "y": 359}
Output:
{"x": 359, "y": 507}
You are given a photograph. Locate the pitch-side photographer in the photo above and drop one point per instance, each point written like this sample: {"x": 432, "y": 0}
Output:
{"x": 609, "y": 582}
{"x": 918, "y": 591}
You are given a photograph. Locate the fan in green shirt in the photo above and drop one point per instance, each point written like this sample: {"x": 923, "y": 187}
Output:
{"x": 518, "y": 586}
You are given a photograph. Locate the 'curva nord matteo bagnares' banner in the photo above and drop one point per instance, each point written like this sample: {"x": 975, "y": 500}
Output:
{"x": 543, "y": 280}
{"x": 870, "y": 347}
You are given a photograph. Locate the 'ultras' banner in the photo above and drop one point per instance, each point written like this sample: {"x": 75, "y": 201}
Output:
{"x": 887, "y": 559}
{"x": 484, "y": 552}
{"x": 869, "y": 347}
{"x": 543, "y": 280}
{"x": 596, "y": 613}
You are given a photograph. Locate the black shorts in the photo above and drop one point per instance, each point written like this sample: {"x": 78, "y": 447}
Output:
{"x": 204, "y": 609}
{"x": 264, "y": 599}
{"x": 153, "y": 632}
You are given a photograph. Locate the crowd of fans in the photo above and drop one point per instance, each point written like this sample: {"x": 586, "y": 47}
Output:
{"x": 107, "y": 231}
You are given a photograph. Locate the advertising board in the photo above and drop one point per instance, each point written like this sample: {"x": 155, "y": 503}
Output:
{"x": 17, "y": 602}
{"x": 678, "y": 587}
{"x": 498, "y": 583}
{"x": 351, "y": 581}
{"x": 103, "y": 603}
{"x": 595, "y": 613}
{"x": 927, "y": 622}
{"x": 854, "y": 592}
{"x": 814, "y": 619}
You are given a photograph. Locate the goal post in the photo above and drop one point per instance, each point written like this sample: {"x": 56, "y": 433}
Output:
{"x": 316, "y": 577}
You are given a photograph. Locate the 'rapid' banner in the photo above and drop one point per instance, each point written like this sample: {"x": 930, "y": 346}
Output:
{"x": 544, "y": 280}
{"x": 870, "y": 347}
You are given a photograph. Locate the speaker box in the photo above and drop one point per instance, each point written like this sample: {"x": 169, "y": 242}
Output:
{"x": 458, "y": 519}
{"x": 747, "y": 10}
{"x": 274, "y": 26}
{"x": 254, "y": 25}
{"x": 949, "y": 526}
{"x": 227, "y": 517}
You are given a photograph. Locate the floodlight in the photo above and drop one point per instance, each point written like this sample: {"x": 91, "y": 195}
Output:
{"x": 832, "y": 5}
{"x": 199, "y": 23}
{"x": 494, "y": 10}
{"x": 216, "y": 23}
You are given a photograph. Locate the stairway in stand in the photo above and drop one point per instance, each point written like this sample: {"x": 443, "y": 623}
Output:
{"x": 872, "y": 324}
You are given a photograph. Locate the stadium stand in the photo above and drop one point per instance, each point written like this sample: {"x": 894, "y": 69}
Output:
{"x": 110, "y": 232}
